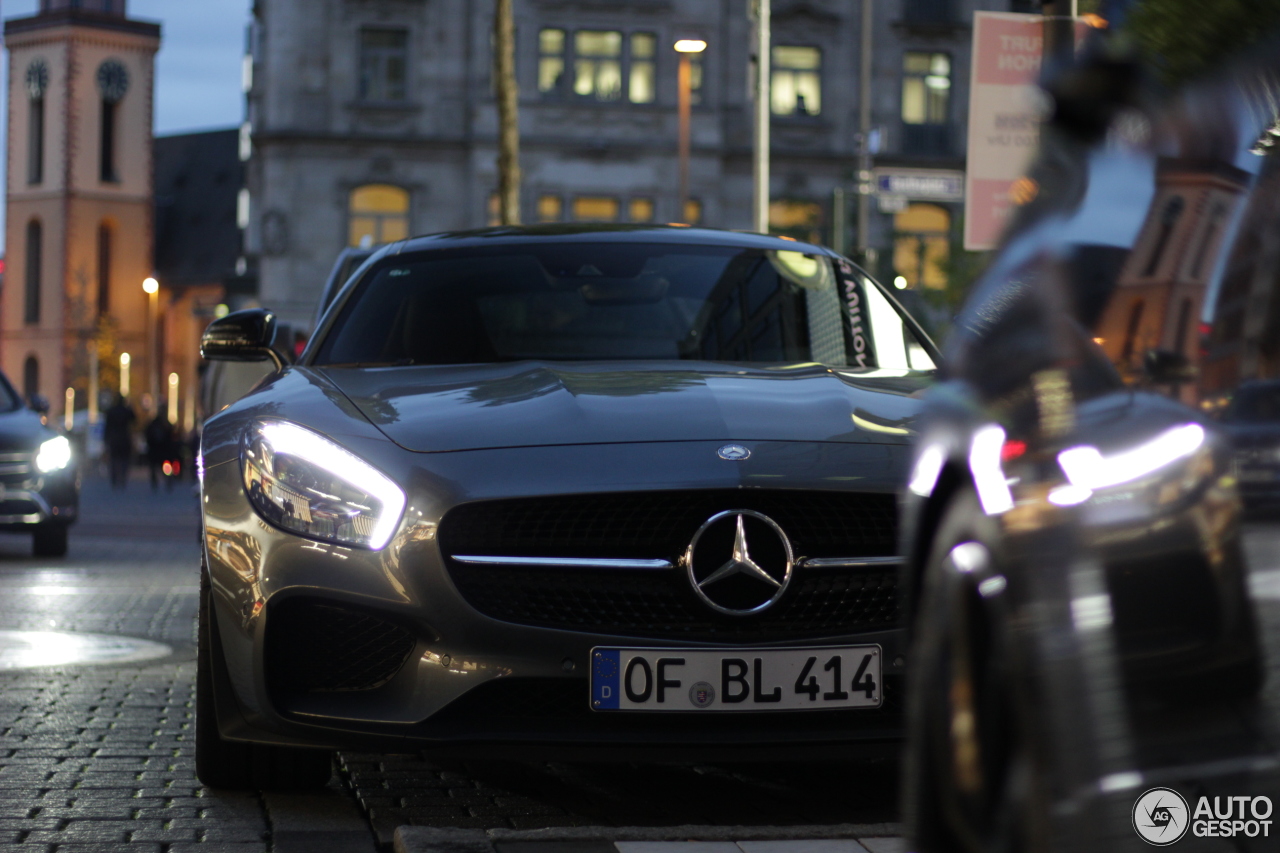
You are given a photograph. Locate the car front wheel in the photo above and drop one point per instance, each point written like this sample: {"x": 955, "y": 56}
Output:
{"x": 234, "y": 765}
{"x": 972, "y": 779}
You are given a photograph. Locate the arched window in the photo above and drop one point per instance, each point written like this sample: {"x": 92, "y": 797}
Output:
{"x": 1184, "y": 320}
{"x": 113, "y": 82}
{"x": 1168, "y": 219}
{"x": 922, "y": 245}
{"x": 30, "y": 377}
{"x": 35, "y": 247}
{"x": 378, "y": 213}
{"x": 37, "y": 84}
{"x": 104, "y": 268}
{"x": 1131, "y": 334}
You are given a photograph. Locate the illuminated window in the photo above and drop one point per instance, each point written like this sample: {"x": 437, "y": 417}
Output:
{"x": 588, "y": 208}
{"x": 550, "y": 208}
{"x": 926, "y": 87}
{"x": 799, "y": 219}
{"x": 597, "y": 66}
{"x": 796, "y": 81}
{"x": 641, "y": 80}
{"x": 640, "y": 210}
{"x": 692, "y": 211}
{"x": 384, "y": 62}
{"x": 922, "y": 245}
{"x": 600, "y": 65}
{"x": 378, "y": 213}
{"x": 550, "y": 60}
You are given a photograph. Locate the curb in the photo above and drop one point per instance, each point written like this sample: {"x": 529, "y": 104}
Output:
{"x": 430, "y": 839}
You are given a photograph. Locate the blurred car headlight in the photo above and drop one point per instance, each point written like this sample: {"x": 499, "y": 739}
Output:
{"x": 54, "y": 455}
{"x": 1087, "y": 467}
{"x": 306, "y": 484}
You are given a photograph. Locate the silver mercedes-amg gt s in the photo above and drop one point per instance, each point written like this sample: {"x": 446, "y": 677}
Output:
{"x": 560, "y": 488}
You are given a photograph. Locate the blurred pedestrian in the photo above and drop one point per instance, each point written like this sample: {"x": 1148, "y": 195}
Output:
{"x": 117, "y": 434}
{"x": 160, "y": 447}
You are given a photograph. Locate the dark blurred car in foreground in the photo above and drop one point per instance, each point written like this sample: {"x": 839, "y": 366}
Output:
{"x": 1252, "y": 419}
{"x": 39, "y": 476}
{"x": 569, "y": 488}
{"x": 1078, "y": 605}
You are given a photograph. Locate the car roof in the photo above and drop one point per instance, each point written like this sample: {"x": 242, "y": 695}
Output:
{"x": 603, "y": 233}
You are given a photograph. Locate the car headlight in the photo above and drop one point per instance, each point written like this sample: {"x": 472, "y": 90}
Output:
{"x": 306, "y": 484}
{"x": 54, "y": 454}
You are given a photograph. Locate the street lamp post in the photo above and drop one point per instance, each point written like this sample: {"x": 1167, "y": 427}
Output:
{"x": 152, "y": 289}
{"x": 684, "y": 97}
{"x": 762, "y": 13}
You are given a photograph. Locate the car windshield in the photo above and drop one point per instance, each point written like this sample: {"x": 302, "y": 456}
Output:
{"x": 600, "y": 301}
{"x": 1259, "y": 404}
{"x": 9, "y": 400}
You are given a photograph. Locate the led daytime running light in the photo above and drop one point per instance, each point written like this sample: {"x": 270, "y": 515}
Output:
{"x": 290, "y": 440}
{"x": 1088, "y": 468}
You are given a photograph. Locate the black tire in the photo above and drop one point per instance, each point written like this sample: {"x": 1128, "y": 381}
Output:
{"x": 235, "y": 765}
{"x": 49, "y": 540}
{"x": 972, "y": 777}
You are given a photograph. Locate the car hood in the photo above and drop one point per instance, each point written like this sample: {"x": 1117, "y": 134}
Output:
{"x": 22, "y": 430}
{"x": 523, "y": 404}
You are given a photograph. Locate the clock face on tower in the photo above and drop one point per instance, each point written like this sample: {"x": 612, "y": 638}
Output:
{"x": 113, "y": 80}
{"x": 37, "y": 79}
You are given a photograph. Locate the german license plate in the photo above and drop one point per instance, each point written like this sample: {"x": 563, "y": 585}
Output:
{"x": 820, "y": 678}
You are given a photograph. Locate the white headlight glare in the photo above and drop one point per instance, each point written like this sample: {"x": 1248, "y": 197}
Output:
{"x": 54, "y": 454}
{"x": 1085, "y": 466}
{"x": 307, "y": 484}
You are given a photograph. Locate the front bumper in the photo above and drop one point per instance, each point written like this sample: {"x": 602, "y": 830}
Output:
{"x": 416, "y": 661}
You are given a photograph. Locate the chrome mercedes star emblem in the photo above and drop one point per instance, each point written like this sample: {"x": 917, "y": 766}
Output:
{"x": 733, "y": 452}
{"x": 747, "y": 582}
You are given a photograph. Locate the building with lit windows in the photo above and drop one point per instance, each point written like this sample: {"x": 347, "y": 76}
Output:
{"x": 375, "y": 120}
{"x": 79, "y": 201}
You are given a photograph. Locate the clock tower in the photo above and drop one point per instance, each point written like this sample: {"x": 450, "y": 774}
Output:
{"x": 80, "y": 201}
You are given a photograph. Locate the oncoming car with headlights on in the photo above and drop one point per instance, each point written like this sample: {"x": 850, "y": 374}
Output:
{"x": 560, "y": 488}
{"x": 39, "y": 475}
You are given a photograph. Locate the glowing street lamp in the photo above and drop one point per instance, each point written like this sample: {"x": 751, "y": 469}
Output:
{"x": 173, "y": 398}
{"x": 152, "y": 288}
{"x": 684, "y": 96}
{"x": 125, "y": 360}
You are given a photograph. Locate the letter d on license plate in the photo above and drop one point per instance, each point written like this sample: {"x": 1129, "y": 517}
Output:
{"x": 820, "y": 678}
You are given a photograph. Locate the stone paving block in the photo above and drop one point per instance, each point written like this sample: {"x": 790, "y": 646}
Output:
{"x": 221, "y": 847}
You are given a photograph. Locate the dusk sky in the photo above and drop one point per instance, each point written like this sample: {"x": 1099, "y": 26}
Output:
{"x": 197, "y": 69}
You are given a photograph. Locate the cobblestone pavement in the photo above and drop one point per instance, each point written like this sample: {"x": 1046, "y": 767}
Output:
{"x": 99, "y": 758}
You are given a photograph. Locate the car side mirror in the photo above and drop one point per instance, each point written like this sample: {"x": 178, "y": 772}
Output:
{"x": 1163, "y": 367}
{"x": 242, "y": 336}
{"x": 39, "y": 404}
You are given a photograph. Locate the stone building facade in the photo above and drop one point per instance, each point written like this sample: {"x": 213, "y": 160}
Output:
{"x": 79, "y": 200}
{"x": 369, "y": 120}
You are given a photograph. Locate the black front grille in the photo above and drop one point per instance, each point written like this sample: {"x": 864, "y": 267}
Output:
{"x": 314, "y": 647}
{"x": 15, "y": 506}
{"x": 660, "y": 524}
{"x": 662, "y": 604}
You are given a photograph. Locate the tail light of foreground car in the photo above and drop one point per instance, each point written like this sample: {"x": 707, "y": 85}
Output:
{"x": 306, "y": 484}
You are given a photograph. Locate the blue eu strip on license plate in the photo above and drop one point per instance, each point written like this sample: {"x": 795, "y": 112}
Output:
{"x": 791, "y": 679}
